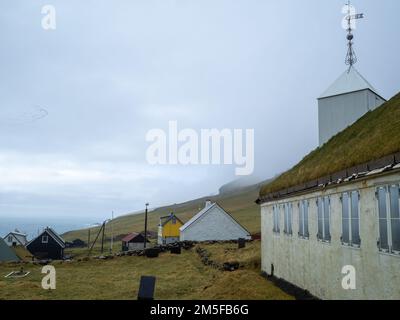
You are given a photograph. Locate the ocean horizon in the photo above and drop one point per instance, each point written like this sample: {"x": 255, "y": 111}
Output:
{"x": 33, "y": 226}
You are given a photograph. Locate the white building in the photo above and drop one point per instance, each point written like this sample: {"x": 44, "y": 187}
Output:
{"x": 213, "y": 223}
{"x": 344, "y": 102}
{"x": 15, "y": 238}
{"x": 338, "y": 236}
{"x": 311, "y": 237}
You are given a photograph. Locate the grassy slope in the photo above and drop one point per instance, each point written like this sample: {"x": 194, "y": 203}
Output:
{"x": 240, "y": 204}
{"x": 373, "y": 136}
{"x": 23, "y": 253}
{"x": 178, "y": 277}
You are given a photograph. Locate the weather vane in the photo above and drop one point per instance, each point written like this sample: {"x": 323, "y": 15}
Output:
{"x": 351, "y": 57}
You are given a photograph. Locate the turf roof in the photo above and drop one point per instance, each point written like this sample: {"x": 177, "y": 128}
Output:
{"x": 373, "y": 136}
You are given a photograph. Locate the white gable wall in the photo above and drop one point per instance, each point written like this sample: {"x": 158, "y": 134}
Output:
{"x": 215, "y": 224}
{"x": 16, "y": 238}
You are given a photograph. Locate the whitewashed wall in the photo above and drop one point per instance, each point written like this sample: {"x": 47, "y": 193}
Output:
{"x": 22, "y": 240}
{"x": 214, "y": 225}
{"x": 317, "y": 266}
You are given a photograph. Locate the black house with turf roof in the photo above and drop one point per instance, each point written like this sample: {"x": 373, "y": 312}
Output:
{"x": 48, "y": 245}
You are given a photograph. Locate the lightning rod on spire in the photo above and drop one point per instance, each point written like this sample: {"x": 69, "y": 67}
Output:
{"x": 351, "y": 57}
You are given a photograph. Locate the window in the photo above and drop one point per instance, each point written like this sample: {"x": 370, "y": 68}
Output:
{"x": 351, "y": 219}
{"x": 9, "y": 238}
{"x": 276, "y": 218}
{"x": 288, "y": 219}
{"x": 45, "y": 239}
{"x": 389, "y": 219}
{"x": 323, "y": 205}
{"x": 303, "y": 219}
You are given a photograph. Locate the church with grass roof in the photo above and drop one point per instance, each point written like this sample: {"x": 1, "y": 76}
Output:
{"x": 331, "y": 224}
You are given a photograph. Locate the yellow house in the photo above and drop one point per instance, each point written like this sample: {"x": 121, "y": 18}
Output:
{"x": 168, "y": 229}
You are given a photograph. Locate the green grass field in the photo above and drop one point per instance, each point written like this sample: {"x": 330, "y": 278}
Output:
{"x": 178, "y": 277}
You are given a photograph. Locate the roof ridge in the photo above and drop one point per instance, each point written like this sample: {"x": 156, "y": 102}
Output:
{"x": 53, "y": 234}
{"x": 196, "y": 216}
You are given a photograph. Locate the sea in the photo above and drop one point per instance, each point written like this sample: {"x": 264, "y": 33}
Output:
{"x": 33, "y": 226}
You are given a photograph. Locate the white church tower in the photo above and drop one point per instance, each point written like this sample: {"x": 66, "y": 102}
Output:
{"x": 349, "y": 97}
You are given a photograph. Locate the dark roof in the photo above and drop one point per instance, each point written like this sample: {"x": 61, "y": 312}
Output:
{"x": 168, "y": 218}
{"x": 52, "y": 234}
{"x": 346, "y": 176}
{"x": 371, "y": 143}
{"x": 55, "y": 235}
{"x": 132, "y": 236}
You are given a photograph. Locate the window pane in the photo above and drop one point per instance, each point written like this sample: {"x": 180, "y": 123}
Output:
{"x": 326, "y": 228}
{"x": 327, "y": 235}
{"x": 285, "y": 219}
{"x": 396, "y": 234}
{"x": 345, "y": 218}
{"x": 301, "y": 218}
{"x": 382, "y": 203}
{"x": 394, "y": 202}
{"x": 395, "y": 219}
{"x": 320, "y": 218}
{"x": 290, "y": 217}
{"x": 278, "y": 219}
{"x": 306, "y": 218}
{"x": 273, "y": 219}
{"x": 355, "y": 232}
{"x": 383, "y": 235}
{"x": 345, "y": 206}
{"x": 276, "y": 222}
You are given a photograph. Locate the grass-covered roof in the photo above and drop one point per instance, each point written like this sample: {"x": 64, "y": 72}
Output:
{"x": 373, "y": 136}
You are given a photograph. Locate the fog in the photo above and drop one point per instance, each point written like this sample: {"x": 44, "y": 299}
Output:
{"x": 77, "y": 102}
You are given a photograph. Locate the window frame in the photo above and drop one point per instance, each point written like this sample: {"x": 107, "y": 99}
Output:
{"x": 45, "y": 237}
{"x": 302, "y": 206}
{"x": 288, "y": 218}
{"x": 389, "y": 214}
{"x": 326, "y": 238}
{"x": 276, "y": 219}
{"x": 350, "y": 218}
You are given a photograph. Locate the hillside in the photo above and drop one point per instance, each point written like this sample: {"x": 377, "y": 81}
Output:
{"x": 239, "y": 184}
{"x": 373, "y": 136}
{"x": 240, "y": 203}
{"x": 22, "y": 253}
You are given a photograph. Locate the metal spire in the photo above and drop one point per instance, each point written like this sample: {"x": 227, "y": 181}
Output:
{"x": 351, "y": 57}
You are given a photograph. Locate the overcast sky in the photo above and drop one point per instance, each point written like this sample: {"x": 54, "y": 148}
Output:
{"x": 76, "y": 102}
